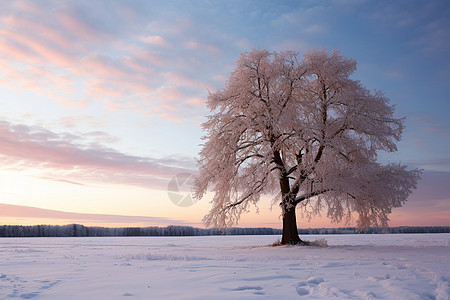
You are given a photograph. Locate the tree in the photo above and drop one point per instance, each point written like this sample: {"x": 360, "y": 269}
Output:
{"x": 307, "y": 132}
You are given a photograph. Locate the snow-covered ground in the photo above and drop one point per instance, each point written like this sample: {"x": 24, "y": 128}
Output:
{"x": 226, "y": 267}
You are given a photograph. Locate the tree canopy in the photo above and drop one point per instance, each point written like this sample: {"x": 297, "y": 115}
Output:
{"x": 304, "y": 130}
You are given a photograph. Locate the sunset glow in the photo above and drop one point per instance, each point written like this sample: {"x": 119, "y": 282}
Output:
{"x": 101, "y": 102}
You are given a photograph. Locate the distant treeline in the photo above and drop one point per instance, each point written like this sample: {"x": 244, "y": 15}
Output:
{"x": 377, "y": 230}
{"x": 81, "y": 230}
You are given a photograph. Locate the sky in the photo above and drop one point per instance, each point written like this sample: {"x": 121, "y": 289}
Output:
{"x": 101, "y": 102}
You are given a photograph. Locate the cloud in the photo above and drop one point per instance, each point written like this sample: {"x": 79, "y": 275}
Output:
{"x": 169, "y": 93}
{"x": 76, "y": 25}
{"x": 429, "y": 204}
{"x": 200, "y": 102}
{"x": 155, "y": 40}
{"x": 69, "y": 122}
{"x": 76, "y": 158}
{"x": 51, "y": 35}
{"x": 109, "y": 58}
{"x": 121, "y": 57}
{"x": 28, "y": 6}
{"x": 100, "y": 137}
{"x": 36, "y": 49}
{"x": 433, "y": 165}
{"x": 62, "y": 180}
{"x": 301, "y": 17}
{"x": 18, "y": 211}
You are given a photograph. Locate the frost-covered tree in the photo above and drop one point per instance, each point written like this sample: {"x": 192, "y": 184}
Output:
{"x": 307, "y": 132}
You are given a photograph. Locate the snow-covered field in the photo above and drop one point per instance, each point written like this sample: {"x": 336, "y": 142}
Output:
{"x": 226, "y": 267}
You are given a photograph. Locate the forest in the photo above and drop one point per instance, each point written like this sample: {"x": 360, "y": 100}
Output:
{"x": 77, "y": 230}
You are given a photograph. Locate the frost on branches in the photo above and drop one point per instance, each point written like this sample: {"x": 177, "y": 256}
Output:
{"x": 305, "y": 131}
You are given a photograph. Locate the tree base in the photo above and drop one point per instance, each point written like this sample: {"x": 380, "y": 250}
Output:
{"x": 300, "y": 243}
{"x": 316, "y": 243}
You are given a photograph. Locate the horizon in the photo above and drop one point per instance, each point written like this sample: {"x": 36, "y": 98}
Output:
{"x": 102, "y": 104}
{"x": 33, "y": 216}
{"x": 96, "y": 218}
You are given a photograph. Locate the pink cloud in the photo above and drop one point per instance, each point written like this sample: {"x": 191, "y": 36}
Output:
{"x": 164, "y": 107}
{"x": 61, "y": 180}
{"x": 39, "y": 76}
{"x": 16, "y": 52}
{"x": 39, "y": 30}
{"x": 72, "y": 121}
{"x": 169, "y": 93}
{"x": 98, "y": 89}
{"x": 428, "y": 205}
{"x": 41, "y": 49}
{"x": 149, "y": 56}
{"x": 102, "y": 66}
{"x": 78, "y": 104}
{"x": 199, "y": 102}
{"x": 18, "y": 211}
{"x": 50, "y": 55}
{"x": 41, "y": 81}
{"x": 170, "y": 117}
{"x": 137, "y": 87}
{"x": 136, "y": 66}
{"x": 100, "y": 137}
{"x": 75, "y": 24}
{"x": 28, "y": 6}
{"x": 73, "y": 158}
{"x": 155, "y": 40}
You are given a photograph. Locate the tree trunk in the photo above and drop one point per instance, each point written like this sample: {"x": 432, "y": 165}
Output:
{"x": 290, "y": 232}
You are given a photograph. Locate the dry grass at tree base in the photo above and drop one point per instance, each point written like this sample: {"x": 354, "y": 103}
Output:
{"x": 316, "y": 243}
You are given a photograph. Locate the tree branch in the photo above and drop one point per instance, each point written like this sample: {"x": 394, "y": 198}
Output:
{"x": 306, "y": 196}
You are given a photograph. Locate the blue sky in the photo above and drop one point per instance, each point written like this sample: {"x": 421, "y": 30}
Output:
{"x": 102, "y": 101}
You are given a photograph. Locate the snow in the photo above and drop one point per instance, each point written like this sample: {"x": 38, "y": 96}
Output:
{"x": 383, "y": 266}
